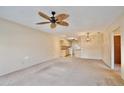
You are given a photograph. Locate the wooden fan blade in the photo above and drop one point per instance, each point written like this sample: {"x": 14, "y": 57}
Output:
{"x": 42, "y": 23}
{"x": 61, "y": 17}
{"x": 52, "y": 25}
{"x": 63, "y": 23}
{"x": 44, "y": 16}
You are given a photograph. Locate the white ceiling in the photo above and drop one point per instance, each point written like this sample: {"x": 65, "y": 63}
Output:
{"x": 82, "y": 18}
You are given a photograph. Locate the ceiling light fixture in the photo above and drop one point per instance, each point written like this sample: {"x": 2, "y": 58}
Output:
{"x": 88, "y": 38}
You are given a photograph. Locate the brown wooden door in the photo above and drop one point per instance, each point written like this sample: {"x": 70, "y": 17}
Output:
{"x": 117, "y": 49}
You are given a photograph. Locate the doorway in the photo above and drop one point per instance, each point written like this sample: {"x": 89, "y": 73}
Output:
{"x": 117, "y": 53}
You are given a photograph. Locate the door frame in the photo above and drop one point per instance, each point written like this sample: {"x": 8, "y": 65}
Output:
{"x": 112, "y": 51}
{"x": 112, "y": 47}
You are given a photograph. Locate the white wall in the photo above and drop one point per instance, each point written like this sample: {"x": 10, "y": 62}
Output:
{"x": 122, "y": 48}
{"x": 91, "y": 49}
{"x": 106, "y": 50}
{"x": 57, "y": 48}
{"x": 108, "y": 44}
{"x": 21, "y": 47}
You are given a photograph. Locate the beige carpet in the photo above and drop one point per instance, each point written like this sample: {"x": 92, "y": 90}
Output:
{"x": 64, "y": 71}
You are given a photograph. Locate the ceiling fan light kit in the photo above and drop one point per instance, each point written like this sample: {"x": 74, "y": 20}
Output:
{"x": 54, "y": 20}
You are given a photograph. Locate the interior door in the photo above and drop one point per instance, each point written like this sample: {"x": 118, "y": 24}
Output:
{"x": 117, "y": 49}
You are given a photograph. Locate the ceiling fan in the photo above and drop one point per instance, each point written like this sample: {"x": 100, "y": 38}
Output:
{"x": 54, "y": 20}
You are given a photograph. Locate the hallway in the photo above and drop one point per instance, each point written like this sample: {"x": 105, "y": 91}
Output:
{"x": 64, "y": 71}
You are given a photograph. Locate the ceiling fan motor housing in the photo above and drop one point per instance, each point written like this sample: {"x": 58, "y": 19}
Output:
{"x": 53, "y": 19}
